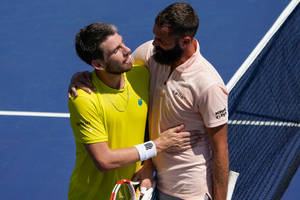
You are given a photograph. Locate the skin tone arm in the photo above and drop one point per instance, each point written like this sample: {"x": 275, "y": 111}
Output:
{"x": 82, "y": 80}
{"x": 220, "y": 161}
{"x": 107, "y": 159}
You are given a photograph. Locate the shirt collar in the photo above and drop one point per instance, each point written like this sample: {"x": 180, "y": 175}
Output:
{"x": 190, "y": 61}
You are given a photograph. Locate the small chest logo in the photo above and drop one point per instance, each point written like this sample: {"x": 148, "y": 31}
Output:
{"x": 175, "y": 93}
{"x": 140, "y": 102}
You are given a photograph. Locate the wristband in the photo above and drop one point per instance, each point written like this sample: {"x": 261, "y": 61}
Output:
{"x": 146, "y": 150}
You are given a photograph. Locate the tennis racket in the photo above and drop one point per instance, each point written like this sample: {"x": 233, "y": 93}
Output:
{"x": 124, "y": 189}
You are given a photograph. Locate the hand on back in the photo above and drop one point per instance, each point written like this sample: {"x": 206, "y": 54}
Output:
{"x": 81, "y": 80}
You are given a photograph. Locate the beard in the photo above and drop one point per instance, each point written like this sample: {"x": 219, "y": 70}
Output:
{"x": 167, "y": 57}
{"x": 117, "y": 68}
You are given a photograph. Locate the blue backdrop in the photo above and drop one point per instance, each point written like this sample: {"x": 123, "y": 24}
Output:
{"x": 37, "y": 60}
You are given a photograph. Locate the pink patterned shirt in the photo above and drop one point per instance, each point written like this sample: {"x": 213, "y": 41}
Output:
{"x": 194, "y": 95}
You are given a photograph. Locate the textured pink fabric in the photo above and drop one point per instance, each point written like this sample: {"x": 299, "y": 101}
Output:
{"x": 194, "y": 95}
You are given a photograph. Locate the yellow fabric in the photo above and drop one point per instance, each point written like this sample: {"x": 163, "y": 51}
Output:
{"x": 94, "y": 119}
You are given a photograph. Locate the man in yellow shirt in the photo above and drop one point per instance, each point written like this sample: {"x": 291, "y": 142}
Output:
{"x": 109, "y": 123}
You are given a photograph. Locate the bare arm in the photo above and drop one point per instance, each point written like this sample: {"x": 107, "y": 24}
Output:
{"x": 220, "y": 161}
{"x": 107, "y": 159}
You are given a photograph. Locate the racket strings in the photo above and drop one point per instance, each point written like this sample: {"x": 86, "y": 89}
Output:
{"x": 119, "y": 192}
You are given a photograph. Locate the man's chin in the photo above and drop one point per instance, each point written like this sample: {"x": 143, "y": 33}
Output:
{"x": 161, "y": 60}
{"x": 128, "y": 69}
{"x": 125, "y": 69}
{"x": 128, "y": 66}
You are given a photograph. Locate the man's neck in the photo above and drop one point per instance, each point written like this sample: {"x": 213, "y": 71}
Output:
{"x": 189, "y": 51}
{"x": 116, "y": 81}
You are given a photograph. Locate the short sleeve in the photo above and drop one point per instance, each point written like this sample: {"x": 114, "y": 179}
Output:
{"x": 142, "y": 54}
{"x": 87, "y": 119}
{"x": 213, "y": 106}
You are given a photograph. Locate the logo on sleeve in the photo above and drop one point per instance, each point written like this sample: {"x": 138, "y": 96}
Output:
{"x": 221, "y": 113}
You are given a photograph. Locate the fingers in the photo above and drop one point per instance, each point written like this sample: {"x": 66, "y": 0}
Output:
{"x": 187, "y": 134}
{"x": 190, "y": 139}
{"x": 177, "y": 128}
{"x": 82, "y": 80}
{"x": 74, "y": 91}
{"x": 86, "y": 89}
{"x": 184, "y": 141}
{"x": 146, "y": 183}
{"x": 92, "y": 87}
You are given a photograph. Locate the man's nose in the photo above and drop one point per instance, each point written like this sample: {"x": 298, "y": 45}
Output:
{"x": 155, "y": 43}
{"x": 126, "y": 50}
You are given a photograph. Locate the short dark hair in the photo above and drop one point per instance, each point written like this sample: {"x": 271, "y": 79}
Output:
{"x": 181, "y": 18}
{"x": 89, "y": 39}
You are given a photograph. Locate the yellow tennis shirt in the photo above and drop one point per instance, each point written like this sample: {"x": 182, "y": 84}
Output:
{"x": 117, "y": 117}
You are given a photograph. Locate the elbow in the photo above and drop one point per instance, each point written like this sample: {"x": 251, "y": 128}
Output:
{"x": 104, "y": 166}
{"x": 102, "y": 156}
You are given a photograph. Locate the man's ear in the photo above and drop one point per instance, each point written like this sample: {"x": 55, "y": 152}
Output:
{"x": 97, "y": 64}
{"x": 185, "y": 41}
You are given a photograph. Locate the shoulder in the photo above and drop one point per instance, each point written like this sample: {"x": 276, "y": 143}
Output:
{"x": 142, "y": 54}
{"x": 139, "y": 70}
{"x": 146, "y": 46}
{"x": 83, "y": 101}
{"x": 139, "y": 76}
{"x": 203, "y": 76}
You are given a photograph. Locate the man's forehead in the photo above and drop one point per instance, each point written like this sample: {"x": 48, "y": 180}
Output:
{"x": 161, "y": 30}
{"x": 112, "y": 42}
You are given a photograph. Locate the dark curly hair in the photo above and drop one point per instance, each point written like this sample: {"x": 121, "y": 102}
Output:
{"x": 181, "y": 19}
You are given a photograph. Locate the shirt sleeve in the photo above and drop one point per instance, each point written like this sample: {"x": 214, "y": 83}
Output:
{"x": 86, "y": 119}
{"x": 213, "y": 106}
{"x": 142, "y": 54}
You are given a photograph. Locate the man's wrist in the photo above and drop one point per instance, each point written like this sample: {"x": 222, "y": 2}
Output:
{"x": 146, "y": 150}
{"x": 158, "y": 145}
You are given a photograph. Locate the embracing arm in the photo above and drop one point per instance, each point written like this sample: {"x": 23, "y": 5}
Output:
{"x": 88, "y": 128}
{"x": 220, "y": 161}
{"x": 108, "y": 159}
